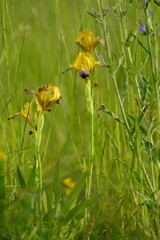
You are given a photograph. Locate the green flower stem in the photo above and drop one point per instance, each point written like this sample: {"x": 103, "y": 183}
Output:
{"x": 89, "y": 103}
{"x": 38, "y": 133}
{"x": 88, "y": 93}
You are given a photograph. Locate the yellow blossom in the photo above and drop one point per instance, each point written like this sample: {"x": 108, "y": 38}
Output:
{"x": 3, "y": 156}
{"x": 43, "y": 98}
{"x": 47, "y": 95}
{"x": 24, "y": 113}
{"x": 84, "y": 64}
{"x": 68, "y": 182}
{"x": 87, "y": 41}
{"x": 69, "y": 185}
{"x": 85, "y": 61}
{"x": 67, "y": 191}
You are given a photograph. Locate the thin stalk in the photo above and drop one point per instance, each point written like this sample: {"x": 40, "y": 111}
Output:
{"x": 38, "y": 156}
{"x": 127, "y": 51}
{"x": 121, "y": 104}
{"x": 105, "y": 34}
{"x": 89, "y": 103}
{"x": 5, "y": 42}
{"x": 40, "y": 179}
{"x": 124, "y": 33}
{"x": 150, "y": 52}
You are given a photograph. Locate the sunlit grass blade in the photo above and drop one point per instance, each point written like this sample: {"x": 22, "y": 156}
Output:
{"x": 74, "y": 194}
{"x": 102, "y": 108}
{"x": 80, "y": 208}
{"x": 56, "y": 186}
{"x": 20, "y": 178}
{"x": 31, "y": 178}
{"x": 2, "y": 194}
{"x": 142, "y": 46}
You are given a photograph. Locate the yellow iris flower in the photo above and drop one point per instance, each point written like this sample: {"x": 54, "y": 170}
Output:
{"x": 85, "y": 61}
{"x": 47, "y": 95}
{"x": 24, "y": 113}
{"x": 87, "y": 41}
{"x": 84, "y": 64}
{"x": 44, "y": 97}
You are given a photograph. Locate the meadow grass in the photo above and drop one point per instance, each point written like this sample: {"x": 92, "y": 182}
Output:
{"x": 92, "y": 170}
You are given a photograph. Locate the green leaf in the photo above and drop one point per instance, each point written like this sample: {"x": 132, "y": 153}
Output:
{"x": 97, "y": 124}
{"x": 100, "y": 57}
{"x": 20, "y": 178}
{"x": 143, "y": 130}
{"x": 129, "y": 39}
{"x": 130, "y": 117}
{"x": 144, "y": 197}
{"x": 96, "y": 15}
{"x": 135, "y": 173}
{"x": 142, "y": 46}
{"x": 74, "y": 212}
{"x": 64, "y": 150}
{"x": 31, "y": 178}
{"x": 151, "y": 150}
{"x": 120, "y": 60}
{"x": 157, "y": 2}
{"x": 2, "y": 197}
{"x": 111, "y": 114}
{"x": 144, "y": 87}
{"x": 124, "y": 92}
{"x": 92, "y": 14}
{"x": 74, "y": 194}
{"x": 2, "y": 192}
{"x": 116, "y": 5}
{"x": 56, "y": 186}
{"x": 105, "y": 11}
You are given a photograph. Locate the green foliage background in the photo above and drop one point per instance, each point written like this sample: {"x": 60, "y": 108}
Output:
{"x": 37, "y": 44}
